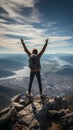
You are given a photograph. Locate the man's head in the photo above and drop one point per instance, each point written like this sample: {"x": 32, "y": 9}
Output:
{"x": 34, "y": 51}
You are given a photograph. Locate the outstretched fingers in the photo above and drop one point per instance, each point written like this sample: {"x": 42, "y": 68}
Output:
{"x": 47, "y": 40}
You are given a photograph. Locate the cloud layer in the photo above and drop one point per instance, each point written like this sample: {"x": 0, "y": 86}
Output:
{"x": 23, "y": 19}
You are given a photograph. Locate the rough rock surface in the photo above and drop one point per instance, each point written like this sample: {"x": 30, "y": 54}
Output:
{"x": 35, "y": 113}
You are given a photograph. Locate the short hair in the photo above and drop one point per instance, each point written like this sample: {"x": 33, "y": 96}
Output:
{"x": 34, "y": 51}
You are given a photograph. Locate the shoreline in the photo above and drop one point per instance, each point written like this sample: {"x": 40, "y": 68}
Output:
{"x": 24, "y": 72}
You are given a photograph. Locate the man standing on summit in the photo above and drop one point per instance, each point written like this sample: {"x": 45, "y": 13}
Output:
{"x": 34, "y": 65}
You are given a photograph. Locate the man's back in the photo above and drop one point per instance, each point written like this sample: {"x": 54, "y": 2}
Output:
{"x": 34, "y": 61}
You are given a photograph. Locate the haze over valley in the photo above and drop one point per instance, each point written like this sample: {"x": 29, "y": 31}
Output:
{"x": 56, "y": 73}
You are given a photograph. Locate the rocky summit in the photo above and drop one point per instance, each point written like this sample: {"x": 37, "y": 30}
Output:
{"x": 36, "y": 113}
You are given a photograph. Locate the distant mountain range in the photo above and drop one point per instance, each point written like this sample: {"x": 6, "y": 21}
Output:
{"x": 68, "y": 58}
{"x": 50, "y": 66}
{"x": 65, "y": 70}
{"x": 49, "y": 62}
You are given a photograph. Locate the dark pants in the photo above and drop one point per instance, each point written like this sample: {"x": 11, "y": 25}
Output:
{"x": 37, "y": 74}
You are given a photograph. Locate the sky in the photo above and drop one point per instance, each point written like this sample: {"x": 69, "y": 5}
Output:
{"x": 35, "y": 21}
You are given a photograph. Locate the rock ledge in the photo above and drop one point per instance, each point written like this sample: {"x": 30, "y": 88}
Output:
{"x": 35, "y": 113}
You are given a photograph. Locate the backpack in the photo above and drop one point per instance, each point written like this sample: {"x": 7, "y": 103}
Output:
{"x": 34, "y": 61}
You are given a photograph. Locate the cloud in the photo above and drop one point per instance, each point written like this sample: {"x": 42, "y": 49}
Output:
{"x": 11, "y": 3}
{"x": 2, "y": 47}
{"x": 18, "y": 19}
{"x": 34, "y": 37}
{"x": 51, "y": 24}
{"x": 20, "y": 10}
{"x": 59, "y": 44}
{"x": 59, "y": 38}
{"x": 2, "y": 21}
{"x": 21, "y": 30}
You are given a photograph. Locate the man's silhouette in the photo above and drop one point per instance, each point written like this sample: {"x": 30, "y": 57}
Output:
{"x": 35, "y": 71}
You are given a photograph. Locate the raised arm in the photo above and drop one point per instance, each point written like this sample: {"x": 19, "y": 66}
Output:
{"x": 25, "y": 48}
{"x": 44, "y": 47}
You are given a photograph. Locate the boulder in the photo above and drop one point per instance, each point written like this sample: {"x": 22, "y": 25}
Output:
{"x": 4, "y": 111}
{"x": 64, "y": 103}
{"x": 16, "y": 98}
{"x": 34, "y": 115}
{"x": 67, "y": 121}
{"x": 68, "y": 115}
{"x": 37, "y": 114}
{"x": 6, "y": 116}
{"x": 17, "y": 106}
{"x": 55, "y": 115}
{"x": 21, "y": 101}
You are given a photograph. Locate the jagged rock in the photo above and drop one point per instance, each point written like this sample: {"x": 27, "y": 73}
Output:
{"x": 17, "y": 106}
{"x": 38, "y": 99}
{"x": 64, "y": 103}
{"x": 57, "y": 103}
{"x": 21, "y": 101}
{"x": 28, "y": 100}
{"x": 6, "y": 117}
{"x": 68, "y": 115}
{"x": 38, "y": 113}
{"x": 55, "y": 115}
{"x": 30, "y": 111}
{"x": 35, "y": 113}
{"x": 16, "y": 98}
{"x": 4, "y": 111}
{"x": 67, "y": 121}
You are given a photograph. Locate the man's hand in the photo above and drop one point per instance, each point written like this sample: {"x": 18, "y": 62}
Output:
{"x": 47, "y": 40}
{"x": 21, "y": 40}
{"x": 25, "y": 48}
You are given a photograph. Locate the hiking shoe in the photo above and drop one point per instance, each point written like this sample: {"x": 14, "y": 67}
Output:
{"x": 29, "y": 95}
{"x": 42, "y": 96}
